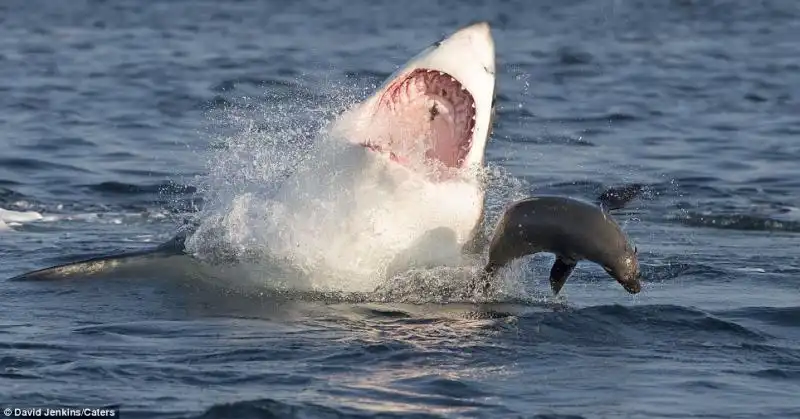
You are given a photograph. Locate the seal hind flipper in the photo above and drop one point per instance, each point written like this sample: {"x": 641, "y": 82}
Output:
{"x": 617, "y": 198}
{"x": 560, "y": 272}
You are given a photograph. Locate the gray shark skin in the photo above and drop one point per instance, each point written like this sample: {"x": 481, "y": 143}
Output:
{"x": 106, "y": 264}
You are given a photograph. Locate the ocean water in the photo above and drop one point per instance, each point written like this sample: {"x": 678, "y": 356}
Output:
{"x": 116, "y": 123}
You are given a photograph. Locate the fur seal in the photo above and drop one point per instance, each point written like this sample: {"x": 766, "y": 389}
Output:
{"x": 573, "y": 230}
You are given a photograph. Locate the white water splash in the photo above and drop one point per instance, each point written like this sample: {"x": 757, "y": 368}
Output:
{"x": 344, "y": 217}
{"x": 19, "y": 216}
{"x": 9, "y": 218}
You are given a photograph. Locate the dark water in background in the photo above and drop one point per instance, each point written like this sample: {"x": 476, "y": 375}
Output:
{"x": 107, "y": 110}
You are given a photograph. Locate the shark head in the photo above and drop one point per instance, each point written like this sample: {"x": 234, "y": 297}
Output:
{"x": 434, "y": 112}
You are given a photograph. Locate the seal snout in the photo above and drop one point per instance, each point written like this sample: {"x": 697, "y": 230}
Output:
{"x": 628, "y": 275}
{"x": 633, "y": 286}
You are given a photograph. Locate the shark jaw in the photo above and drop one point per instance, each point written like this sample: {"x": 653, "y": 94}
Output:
{"x": 433, "y": 115}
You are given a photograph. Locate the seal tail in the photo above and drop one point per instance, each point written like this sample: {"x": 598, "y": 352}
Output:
{"x": 105, "y": 264}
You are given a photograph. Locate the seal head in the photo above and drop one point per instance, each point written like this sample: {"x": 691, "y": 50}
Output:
{"x": 625, "y": 269}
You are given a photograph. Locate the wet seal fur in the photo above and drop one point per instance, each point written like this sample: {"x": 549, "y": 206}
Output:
{"x": 571, "y": 229}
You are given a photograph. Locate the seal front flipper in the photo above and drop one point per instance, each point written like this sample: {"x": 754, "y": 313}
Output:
{"x": 560, "y": 272}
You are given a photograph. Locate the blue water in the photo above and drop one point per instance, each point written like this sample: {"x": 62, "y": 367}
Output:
{"x": 111, "y": 112}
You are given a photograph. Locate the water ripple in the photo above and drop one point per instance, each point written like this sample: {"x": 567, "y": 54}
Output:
{"x": 113, "y": 112}
{"x": 269, "y": 408}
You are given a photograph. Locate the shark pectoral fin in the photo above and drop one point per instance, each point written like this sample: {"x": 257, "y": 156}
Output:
{"x": 618, "y": 197}
{"x": 100, "y": 265}
{"x": 560, "y": 272}
{"x": 106, "y": 264}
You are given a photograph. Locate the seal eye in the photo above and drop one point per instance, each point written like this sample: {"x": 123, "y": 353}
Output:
{"x": 607, "y": 269}
{"x": 635, "y": 250}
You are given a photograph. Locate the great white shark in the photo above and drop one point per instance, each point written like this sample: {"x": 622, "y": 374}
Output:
{"x": 431, "y": 119}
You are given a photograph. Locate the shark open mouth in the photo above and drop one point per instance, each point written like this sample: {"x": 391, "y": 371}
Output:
{"x": 426, "y": 116}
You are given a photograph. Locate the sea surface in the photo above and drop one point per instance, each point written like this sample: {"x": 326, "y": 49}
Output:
{"x": 115, "y": 114}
